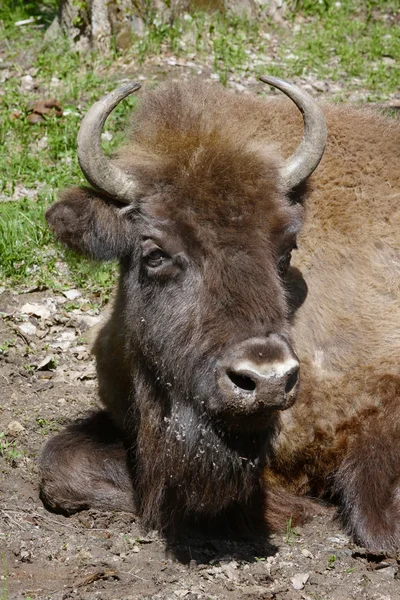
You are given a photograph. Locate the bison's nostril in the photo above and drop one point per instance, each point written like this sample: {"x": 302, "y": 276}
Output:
{"x": 292, "y": 380}
{"x": 242, "y": 381}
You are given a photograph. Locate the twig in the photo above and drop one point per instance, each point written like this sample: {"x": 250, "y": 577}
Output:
{"x": 103, "y": 574}
{"x": 20, "y": 334}
{"x": 11, "y": 519}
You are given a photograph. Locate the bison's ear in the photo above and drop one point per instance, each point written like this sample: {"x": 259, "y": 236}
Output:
{"x": 91, "y": 224}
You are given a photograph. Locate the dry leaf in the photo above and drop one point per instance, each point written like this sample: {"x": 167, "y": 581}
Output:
{"x": 47, "y": 364}
{"x": 103, "y": 574}
{"x": 43, "y": 108}
{"x": 15, "y": 114}
{"x": 34, "y": 118}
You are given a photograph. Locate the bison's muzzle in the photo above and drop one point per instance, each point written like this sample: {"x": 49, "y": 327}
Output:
{"x": 256, "y": 377}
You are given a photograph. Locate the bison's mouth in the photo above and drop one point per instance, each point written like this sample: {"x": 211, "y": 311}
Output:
{"x": 255, "y": 379}
{"x": 249, "y": 415}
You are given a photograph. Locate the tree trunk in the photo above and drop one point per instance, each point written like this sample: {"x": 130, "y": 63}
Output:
{"x": 94, "y": 23}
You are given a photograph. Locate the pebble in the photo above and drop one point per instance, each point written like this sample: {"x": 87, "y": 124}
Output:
{"x": 28, "y": 84}
{"x": 27, "y": 328}
{"x": 72, "y": 294}
{"x": 14, "y": 428}
{"x": 36, "y": 309}
{"x": 88, "y": 321}
{"x": 230, "y": 570}
{"x": 389, "y": 573}
{"x": 299, "y": 580}
{"x": 338, "y": 539}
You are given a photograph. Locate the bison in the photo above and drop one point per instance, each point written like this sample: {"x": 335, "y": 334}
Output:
{"x": 238, "y": 271}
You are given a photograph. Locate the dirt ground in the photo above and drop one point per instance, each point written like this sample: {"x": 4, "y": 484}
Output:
{"x": 48, "y": 379}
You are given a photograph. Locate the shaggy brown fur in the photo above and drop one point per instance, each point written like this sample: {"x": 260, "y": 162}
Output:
{"x": 210, "y": 199}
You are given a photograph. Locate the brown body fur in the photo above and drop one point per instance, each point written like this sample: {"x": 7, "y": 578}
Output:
{"x": 206, "y": 172}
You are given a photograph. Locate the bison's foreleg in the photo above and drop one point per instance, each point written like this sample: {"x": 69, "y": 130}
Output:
{"x": 86, "y": 466}
{"x": 368, "y": 482}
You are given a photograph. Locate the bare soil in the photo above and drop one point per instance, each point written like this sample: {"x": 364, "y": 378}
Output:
{"x": 48, "y": 379}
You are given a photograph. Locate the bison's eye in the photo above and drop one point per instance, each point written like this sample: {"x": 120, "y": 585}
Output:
{"x": 155, "y": 258}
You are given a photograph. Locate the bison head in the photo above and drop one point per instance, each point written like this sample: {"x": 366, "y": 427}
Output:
{"x": 204, "y": 242}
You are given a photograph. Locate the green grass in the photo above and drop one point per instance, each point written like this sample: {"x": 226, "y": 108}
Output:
{"x": 353, "y": 44}
{"x": 42, "y": 160}
{"x": 9, "y": 450}
{"x": 291, "y": 533}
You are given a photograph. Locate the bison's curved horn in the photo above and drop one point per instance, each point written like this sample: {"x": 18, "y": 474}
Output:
{"x": 100, "y": 171}
{"x": 306, "y": 158}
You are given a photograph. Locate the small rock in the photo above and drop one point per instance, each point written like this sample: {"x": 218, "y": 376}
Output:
{"x": 67, "y": 336}
{"x": 388, "y": 61}
{"x": 138, "y": 26}
{"x": 23, "y": 553}
{"x": 90, "y": 373}
{"x": 41, "y": 333}
{"x": 389, "y": 573}
{"x": 15, "y": 428}
{"x": 230, "y": 570}
{"x": 78, "y": 349}
{"x": 42, "y": 143}
{"x": 307, "y": 553}
{"x": 72, "y": 294}
{"x": 320, "y": 86}
{"x": 55, "y": 82}
{"x": 339, "y": 539}
{"x": 299, "y": 580}
{"x": 36, "y": 309}
{"x": 27, "y": 328}
{"x": 28, "y": 84}
{"x": 87, "y": 321}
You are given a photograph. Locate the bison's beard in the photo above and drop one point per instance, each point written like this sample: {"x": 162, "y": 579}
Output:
{"x": 187, "y": 467}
